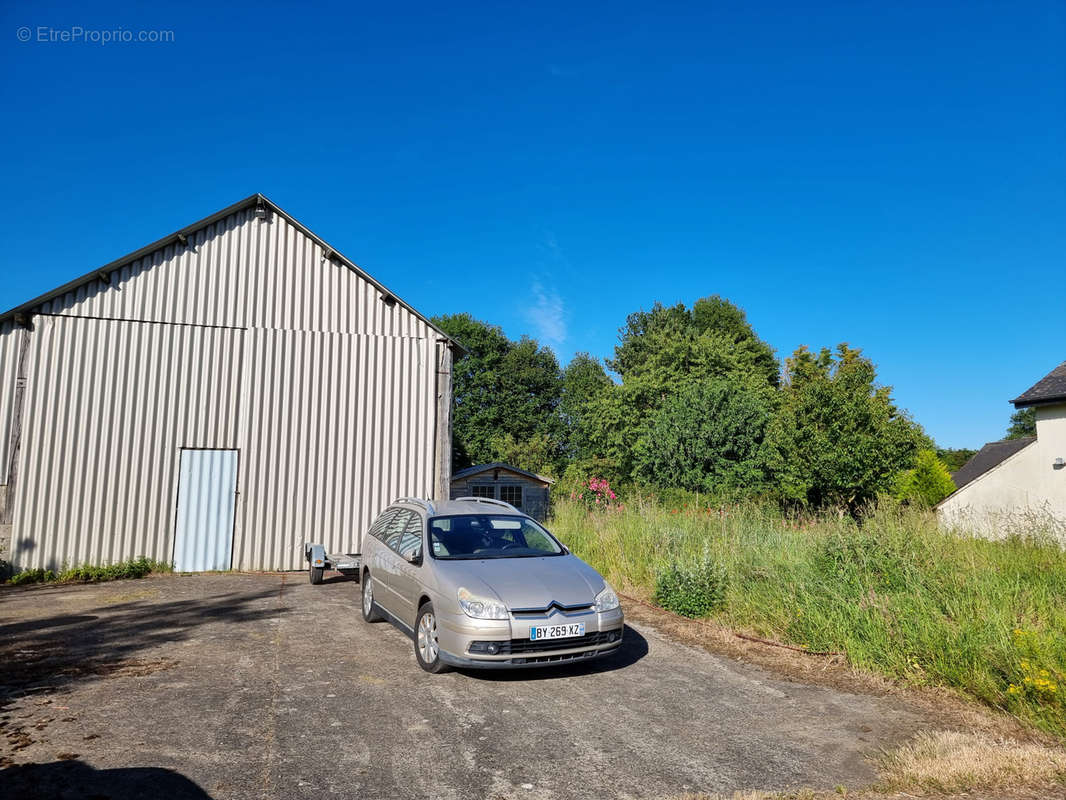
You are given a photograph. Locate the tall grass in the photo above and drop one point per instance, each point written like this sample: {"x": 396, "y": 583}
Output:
{"x": 896, "y": 594}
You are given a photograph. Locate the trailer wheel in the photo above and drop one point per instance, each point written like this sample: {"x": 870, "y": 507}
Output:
{"x": 316, "y": 575}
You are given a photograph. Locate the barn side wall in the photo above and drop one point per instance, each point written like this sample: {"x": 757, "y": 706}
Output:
{"x": 109, "y": 403}
{"x": 339, "y": 426}
{"x": 251, "y": 338}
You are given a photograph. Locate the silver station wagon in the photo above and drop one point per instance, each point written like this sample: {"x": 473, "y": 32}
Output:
{"x": 477, "y": 583}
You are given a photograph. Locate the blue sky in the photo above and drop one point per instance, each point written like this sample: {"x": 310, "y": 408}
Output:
{"x": 888, "y": 174}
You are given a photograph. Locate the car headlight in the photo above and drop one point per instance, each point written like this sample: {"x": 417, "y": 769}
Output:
{"x": 481, "y": 607}
{"x": 607, "y": 600}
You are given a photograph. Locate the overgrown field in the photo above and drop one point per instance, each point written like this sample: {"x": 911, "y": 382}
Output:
{"x": 896, "y": 594}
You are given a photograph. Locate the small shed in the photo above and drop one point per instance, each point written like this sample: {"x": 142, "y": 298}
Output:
{"x": 527, "y": 491}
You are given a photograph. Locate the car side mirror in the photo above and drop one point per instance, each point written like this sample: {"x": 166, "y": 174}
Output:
{"x": 412, "y": 556}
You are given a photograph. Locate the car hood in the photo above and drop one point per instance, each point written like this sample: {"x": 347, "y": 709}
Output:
{"x": 526, "y": 582}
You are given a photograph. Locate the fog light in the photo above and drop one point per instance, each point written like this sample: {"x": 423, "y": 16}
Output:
{"x": 493, "y": 648}
{"x": 612, "y": 636}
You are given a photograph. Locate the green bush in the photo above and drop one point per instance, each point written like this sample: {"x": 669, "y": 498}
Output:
{"x": 135, "y": 568}
{"x": 32, "y": 576}
{"x": 925, "y": 485}
{"x": 693, "y": 590}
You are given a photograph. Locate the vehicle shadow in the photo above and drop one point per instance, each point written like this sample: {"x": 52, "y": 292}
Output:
{"x": 77, "y": 779}
{"x": 634, "y": 648}
{"x": 339, "y": 577}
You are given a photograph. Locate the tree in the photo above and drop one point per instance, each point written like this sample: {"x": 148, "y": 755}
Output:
{"x": 663, "y": 349}
{"x": 708, "y": 438}
{"x": 717, "y": 315}
{"x": 583, "y": 380}
{"x": 927, "y": 483}
{"x": 506, "y": 397}
{"x": 661, "y": 354}
{"x": 1022, "y": 423}
{"x": 612, "y": 426}
{"x": 838, "y": 438}
{"x": 954, "y": 458}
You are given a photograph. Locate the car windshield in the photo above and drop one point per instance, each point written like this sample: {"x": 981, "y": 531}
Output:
{"x": 477, "y": 536}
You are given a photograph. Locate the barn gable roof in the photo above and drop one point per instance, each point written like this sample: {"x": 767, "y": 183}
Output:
{"x": 477, "y": 469}
{"x": 182, "y": 235}
{"x": 1049, "y": 389}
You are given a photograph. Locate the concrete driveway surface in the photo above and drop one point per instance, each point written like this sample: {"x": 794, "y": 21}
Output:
{"x": 263, "y": 686}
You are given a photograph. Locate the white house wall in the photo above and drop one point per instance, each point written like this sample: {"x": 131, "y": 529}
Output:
{"x": 1024, "y": 493}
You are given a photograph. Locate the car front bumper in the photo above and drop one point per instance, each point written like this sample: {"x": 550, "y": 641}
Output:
{"x": 457, "y": 632}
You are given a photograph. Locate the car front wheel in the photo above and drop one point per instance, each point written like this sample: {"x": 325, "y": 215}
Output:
{"x": 427, "y": 646}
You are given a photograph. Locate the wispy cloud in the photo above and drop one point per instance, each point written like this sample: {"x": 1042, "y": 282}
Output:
{"x": 547, "y": 315}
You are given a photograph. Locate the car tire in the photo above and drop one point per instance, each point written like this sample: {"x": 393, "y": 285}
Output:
{"x": 427, "y": 647}
{"x": 370, "y": 614}
{"x": 316, "y": 575}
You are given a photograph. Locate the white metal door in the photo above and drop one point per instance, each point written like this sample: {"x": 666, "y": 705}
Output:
{"x": 207, "y": 492}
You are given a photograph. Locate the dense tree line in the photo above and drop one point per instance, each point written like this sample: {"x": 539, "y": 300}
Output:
{"x": 693, "y": 399}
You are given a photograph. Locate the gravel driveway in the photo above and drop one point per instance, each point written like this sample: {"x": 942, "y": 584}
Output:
{"x": 253, "y": 686}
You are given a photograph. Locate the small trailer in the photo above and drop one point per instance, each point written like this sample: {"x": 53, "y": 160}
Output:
{"x": 318, "y": 561}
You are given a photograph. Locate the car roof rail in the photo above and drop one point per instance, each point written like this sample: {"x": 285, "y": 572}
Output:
{"x": 491, "y": 501}
{"x": 418, "y": 501}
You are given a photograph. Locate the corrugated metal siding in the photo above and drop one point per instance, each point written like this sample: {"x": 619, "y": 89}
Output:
{"x": 197, "y": 284}
{"x": 338, "y": 426}
{"x": 289, "y": 357}
{"x": 9, "y": 341}
{"x": 292, "y": 286}
{"x": 207, "y": 486}
{"x": 108, "y": 405}
{"x": 243, "y": 272}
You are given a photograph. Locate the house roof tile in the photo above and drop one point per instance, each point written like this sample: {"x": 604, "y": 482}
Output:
{"x": 1049, "y": 389}
{"x": 987, "y": 458}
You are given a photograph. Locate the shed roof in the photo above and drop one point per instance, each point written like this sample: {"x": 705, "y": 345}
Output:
{"x": 479, "y": 468}
{"x": 181, "y": 234}
{"x": 988, "y": 458}
{"x": 1049, "y": 389}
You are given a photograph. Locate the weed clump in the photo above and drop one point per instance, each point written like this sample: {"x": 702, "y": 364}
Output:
{"x": 692, "y": 590}
{"x": 134, "y": 568}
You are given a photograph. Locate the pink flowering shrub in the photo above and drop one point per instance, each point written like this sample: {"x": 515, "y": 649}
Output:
{"x": 596, "y": 495}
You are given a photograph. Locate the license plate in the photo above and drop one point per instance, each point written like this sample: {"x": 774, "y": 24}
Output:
{"x": 557, "y": 631}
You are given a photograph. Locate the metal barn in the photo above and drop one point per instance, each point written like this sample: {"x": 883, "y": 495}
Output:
{"x": 216, "y": 399}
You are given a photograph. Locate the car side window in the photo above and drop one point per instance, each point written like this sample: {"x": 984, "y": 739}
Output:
{"x": 377, "y": 530}
{"x": 394, "y": 530}
{"x": 411, "y": 539}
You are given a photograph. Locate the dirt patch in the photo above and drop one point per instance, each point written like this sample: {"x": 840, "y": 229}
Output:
{"x": 951, "y": 761}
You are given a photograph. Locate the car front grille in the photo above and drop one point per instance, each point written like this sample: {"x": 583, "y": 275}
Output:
{"x": 522, "y": 646}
